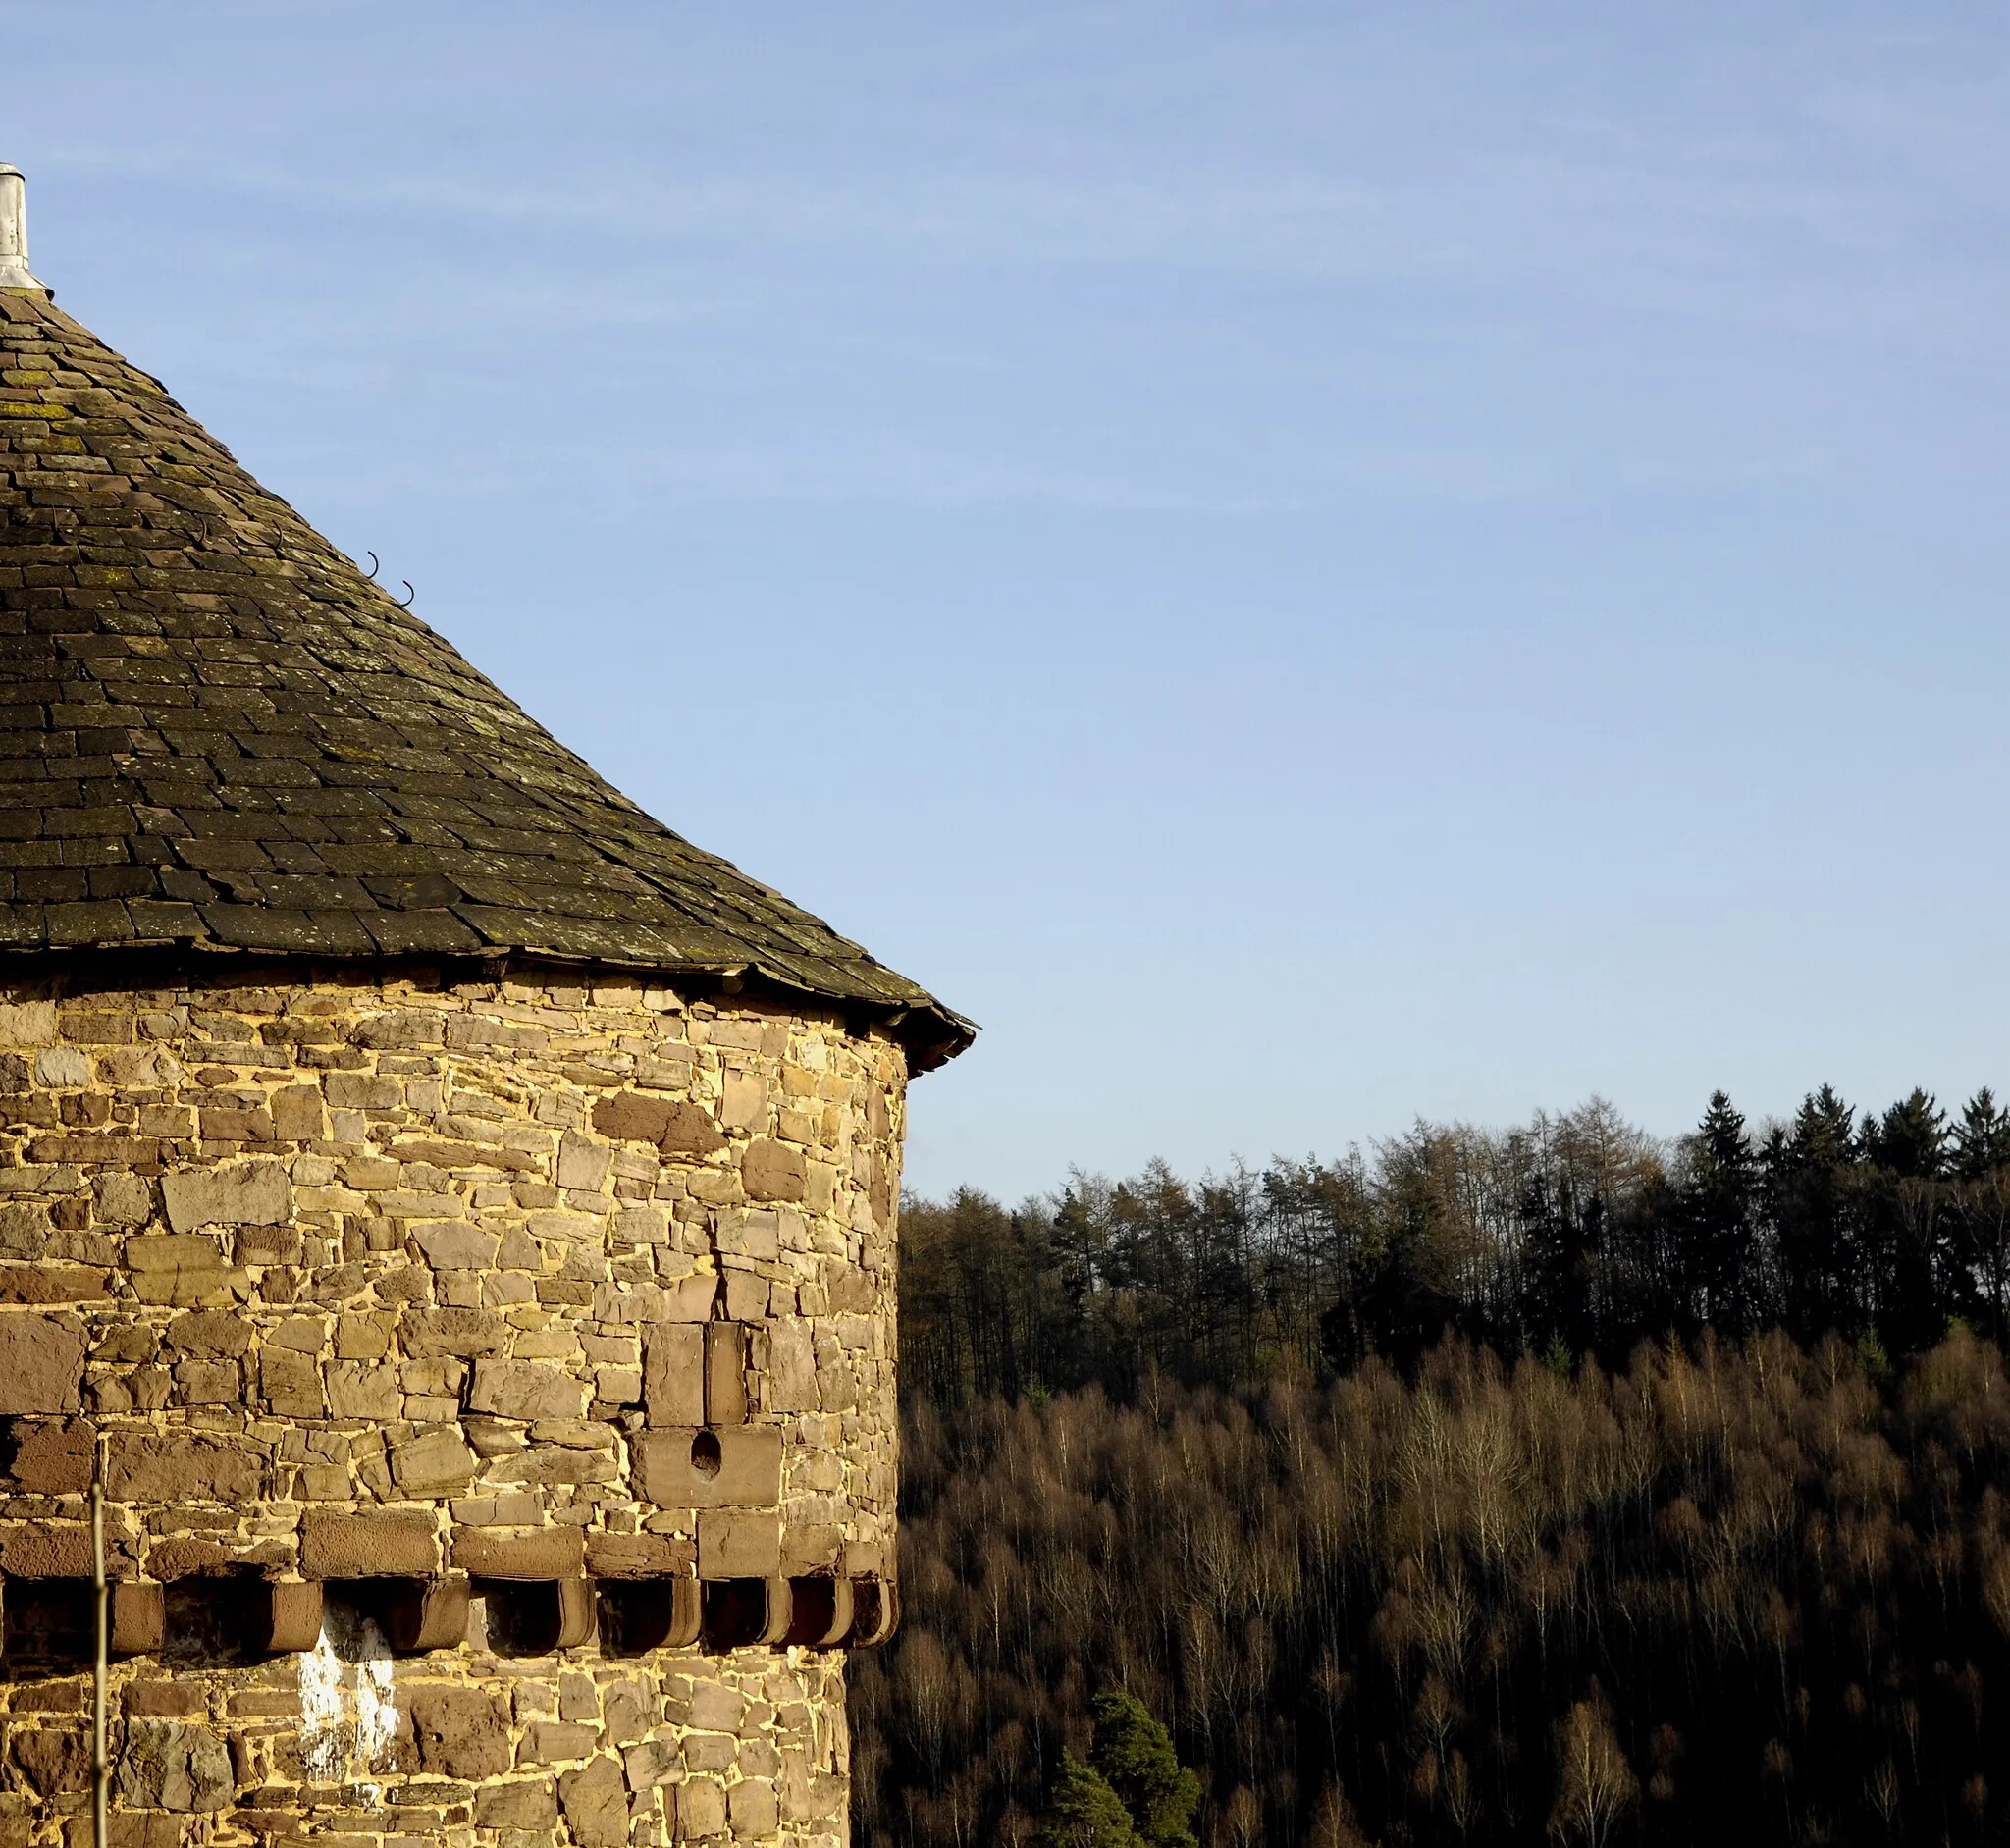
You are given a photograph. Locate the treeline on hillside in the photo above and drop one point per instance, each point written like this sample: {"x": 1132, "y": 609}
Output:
{"x": 1742, "y": 1591}
{"x": 1574, "y": 1234}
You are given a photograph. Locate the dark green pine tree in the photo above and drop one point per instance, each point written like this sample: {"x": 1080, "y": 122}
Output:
{"x": 1136, "y": 1757}
{"x": 1912, "y": 1223}
{"x": 1083, "y": 1812}
{"x": 1981, "y": 1139}
{"x": 1808, "y": 1172}
{"x": 1719, "y": 1220}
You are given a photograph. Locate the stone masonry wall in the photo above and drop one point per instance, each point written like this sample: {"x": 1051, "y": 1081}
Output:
{"x": 392, "y": 1282}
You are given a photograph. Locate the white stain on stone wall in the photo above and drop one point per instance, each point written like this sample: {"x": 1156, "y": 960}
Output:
{"x": 347, "y": 1719}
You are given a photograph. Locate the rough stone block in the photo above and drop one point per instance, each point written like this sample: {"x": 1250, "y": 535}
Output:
{"x": 357, "y": 1390}
{"x": 726, "y": 1373}
{"x": 791, "y": 1367}
{"x": 735, "y": 1543}
{"x": 527, "y": 1803}
{"x": 673, "y": 1373}
{"x": 209, "y": 1334}
{"x": 553, "y": 1742}
{"x": 163, "y": 1467}
{"x": 528, "y": 1390}
{"x": 181, "y": 1269}
{"x": 583, "y": 1165}
{"x": 368, "y": 1546}
{"x": 27, "y": 1023}
{"x": 52, "y": 1459}
{"x": 754, "y": 1809}
{"x": 172, "y": 1764}
{"x": 455, "y": 1245}
{"x": 296, "y": 1114}
{"x": 773, "y": 1171}
{"x": 41, "y": 1363}
{"x": 596, "y": 1801}
{"x": 55, "y": 1760}
{"x": 701, "y": 1808}
{"x": 121, "y": 1199}
{"x": 468, "y": 1333}
{"x": 637, "y": 1555}
{"x": 291, "y": 1383}
{"x": 238, "y": 1193}
{"x": 434, "y": 1464}
{"x": 462, "y": 1732}
{"x": 46, "y": 1550}
{"x": 549, "y": 1552}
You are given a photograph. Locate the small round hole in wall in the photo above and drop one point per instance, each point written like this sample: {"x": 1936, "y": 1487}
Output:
{"x": 705, "y": 1453}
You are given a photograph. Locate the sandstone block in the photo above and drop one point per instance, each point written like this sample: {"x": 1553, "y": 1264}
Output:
{"x": 50, "y": 1282}
{"x": 460, "y": 1733}
{"x": 27, "y": 1023}
{"x": 631, "y": 1709}
{"x": 296, "y": 1114}
{"x": 716, "y": 1708}
{"x": 368, "y": 1546}
{"x": 182, "y": 1270}
{"x": 735, "y": 1543}
{"x": 455, "y": 1245}
{"x": 52, "y": 1459}
{"x": 753, "y": 1809}
{"x": 791, "y": 1367}
{"x": 172, "y": 1764}
{"x": 528, "y": 1802}
{"x": 55, "y": 1760}
{"x": 773, "y": 1171}
{"x": 701, "y": 1808}
{"x": 678, "y": 1129}
{"x": 469, "y": 1333}
{"x": 163, "y": 1466}
{"x": 358, "y": 1390}
{"x": 673, "y": 1373}
{"x": 238, "y": 1193}
{"x": 549, "y": 1552}
{"x": 41, "y": 1363}
{"x": 554, "y": 1742}
{"x": 209, "y": 1334}
{"x": 739, "y": 1466}
{"x": 637, "y": 1555}
{"x": 291, "y": 1383}
{"x": 526, "y": 1388}
{"x": 583, "y": 1165}
{"x": 726, "y": 1373}
{"x": 652, "y": 1763}
{"x": 24, "y": 1229}
{"x": 46, "y": 1550}
{"x": 121, "y": 1199}
{"x": 434, "y": 1464}
{"x": 596, "y": 1801}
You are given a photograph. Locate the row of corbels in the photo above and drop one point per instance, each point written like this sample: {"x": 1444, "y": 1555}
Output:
{"x": 283, "y": 1616}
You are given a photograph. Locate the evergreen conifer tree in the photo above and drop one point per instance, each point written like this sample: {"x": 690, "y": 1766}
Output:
{"x": 1083, "y": 1812}
{"x": 1719, "y": 1220}
{"x": 1136, "y": 1757}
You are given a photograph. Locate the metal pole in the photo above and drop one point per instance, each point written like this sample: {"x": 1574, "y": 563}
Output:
{"x": 100, "y": 1770}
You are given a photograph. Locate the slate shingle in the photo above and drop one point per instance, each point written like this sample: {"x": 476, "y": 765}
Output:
{"x": 215, "y": 730}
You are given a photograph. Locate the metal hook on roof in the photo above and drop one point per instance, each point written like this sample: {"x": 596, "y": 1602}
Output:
{"x": 372, "y": 556}
{"x": 410, "y": 594}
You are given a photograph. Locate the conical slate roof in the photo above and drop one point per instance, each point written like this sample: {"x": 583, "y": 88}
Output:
{"x": 216, "y": 731}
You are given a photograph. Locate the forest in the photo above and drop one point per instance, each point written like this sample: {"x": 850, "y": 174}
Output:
{"x": 1554, "y": 1484}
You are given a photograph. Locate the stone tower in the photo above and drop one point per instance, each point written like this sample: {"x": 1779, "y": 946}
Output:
{"x": 449, "y": 1216}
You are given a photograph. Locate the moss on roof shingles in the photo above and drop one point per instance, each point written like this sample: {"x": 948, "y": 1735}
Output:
{"x": 215, "y": 730}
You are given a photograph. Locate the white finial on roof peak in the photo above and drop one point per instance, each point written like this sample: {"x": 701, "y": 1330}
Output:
{"x": 14, "y": 270}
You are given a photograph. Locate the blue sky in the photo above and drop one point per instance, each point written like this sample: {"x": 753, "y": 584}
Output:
{"x": 1305, "y": 566}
